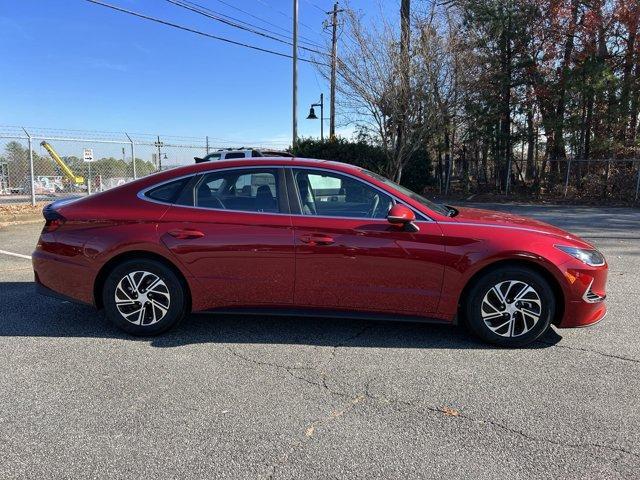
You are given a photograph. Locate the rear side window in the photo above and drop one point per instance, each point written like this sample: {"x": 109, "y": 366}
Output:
{"x": 167, "y": 193}
{"x": 247, "y": 190}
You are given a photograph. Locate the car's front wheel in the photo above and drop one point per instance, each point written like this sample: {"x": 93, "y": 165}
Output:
{"x": 143, "y": 297}
{"x": 511, "y": 306}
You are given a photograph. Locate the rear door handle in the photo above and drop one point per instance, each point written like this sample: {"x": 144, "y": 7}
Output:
{"x": 185, "y": 233}
{"x": 317, "y": 239}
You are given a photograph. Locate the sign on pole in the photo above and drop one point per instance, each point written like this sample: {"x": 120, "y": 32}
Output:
{"x": 87, "y": 155}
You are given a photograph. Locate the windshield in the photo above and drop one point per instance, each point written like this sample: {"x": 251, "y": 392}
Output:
{"x": 441, "y": 209}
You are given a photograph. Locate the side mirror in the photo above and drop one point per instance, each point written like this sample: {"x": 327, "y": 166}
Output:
{"x": 402, "y": 216}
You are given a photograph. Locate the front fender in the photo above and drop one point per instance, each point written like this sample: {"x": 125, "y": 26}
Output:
{"x": 472, "y": 250}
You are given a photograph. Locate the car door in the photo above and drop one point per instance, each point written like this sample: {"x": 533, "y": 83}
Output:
{"x": 231, "y": 229}
{"x": 349, "y": 257}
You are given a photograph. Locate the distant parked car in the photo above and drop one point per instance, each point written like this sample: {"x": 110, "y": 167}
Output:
{"x": 309, "y": 237}
{"x": 46, "y": 185}
{"x": 276, "y": 153}
{"x": 229, "y": 154}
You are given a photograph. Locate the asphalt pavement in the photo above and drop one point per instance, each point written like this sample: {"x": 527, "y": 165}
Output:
{"x": 253, "y": 397}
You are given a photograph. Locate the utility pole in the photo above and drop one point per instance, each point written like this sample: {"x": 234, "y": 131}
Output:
{"x": 322, "y": 117}
{"x": 295, "y": 74}
{"x": 159, "y": 144}
{"x": 405, "y": 33}
{"x": 405, "y": 36}
{"x": 133, "y": 156}
{"x": 334, "y": 62}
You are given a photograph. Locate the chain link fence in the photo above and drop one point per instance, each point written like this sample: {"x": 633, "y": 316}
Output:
{"x": 46, "y": 164}
{"x": 594, "y": 180}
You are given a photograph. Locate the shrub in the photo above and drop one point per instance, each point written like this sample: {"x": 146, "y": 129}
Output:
{"x": 416, "y": 174}
{"x": 357, "y": 153}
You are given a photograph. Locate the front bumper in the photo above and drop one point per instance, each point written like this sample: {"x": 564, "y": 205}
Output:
{"x": 585, "y": 294}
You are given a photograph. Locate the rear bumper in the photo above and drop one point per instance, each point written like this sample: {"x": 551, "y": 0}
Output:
{"x": 63, "y": 278}
{"x": 47, "y": 292}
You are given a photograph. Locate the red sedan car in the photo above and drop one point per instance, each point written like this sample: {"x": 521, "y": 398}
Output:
{"x": 311, "y": 237}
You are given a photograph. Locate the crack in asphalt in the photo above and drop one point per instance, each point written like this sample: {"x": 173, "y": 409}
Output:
{"x": 334, "y": 351}
{"x": 549, "y": 440}
{"x": 457, "y": 414}
{"x": 272, "y": 469}
{"x": 602, "y": 354}
{"x": 289, "y": 370}
{"x": 310, "y": 430}
{"x": 368, "y": 395}
{"x": 263, "y": 363}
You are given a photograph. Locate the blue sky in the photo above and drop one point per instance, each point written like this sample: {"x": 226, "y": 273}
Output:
{"x": 74, "y": 65}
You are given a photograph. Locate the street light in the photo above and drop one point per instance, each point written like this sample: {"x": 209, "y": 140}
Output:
{"x": 312, "y": 115}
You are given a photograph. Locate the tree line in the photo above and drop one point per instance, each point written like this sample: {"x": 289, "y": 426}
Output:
{"x": 498, "y": 94}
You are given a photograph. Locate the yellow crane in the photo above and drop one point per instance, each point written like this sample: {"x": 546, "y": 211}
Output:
{"x": 63, "y": 166}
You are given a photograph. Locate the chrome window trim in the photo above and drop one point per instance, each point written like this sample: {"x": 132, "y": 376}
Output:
{"x": 142, "y": 193}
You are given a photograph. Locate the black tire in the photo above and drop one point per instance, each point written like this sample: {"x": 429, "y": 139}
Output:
{"x": 474, "y": 306}
{"x": 154, "y": 304}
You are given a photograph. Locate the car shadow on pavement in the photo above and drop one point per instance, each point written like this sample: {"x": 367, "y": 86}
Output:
{"x": 27, "y": 314}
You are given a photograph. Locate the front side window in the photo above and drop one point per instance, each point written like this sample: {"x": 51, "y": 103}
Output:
{"x": 330, "y": 194}
{"x": 254, "y": 190}
{"x": 436, "y": 207}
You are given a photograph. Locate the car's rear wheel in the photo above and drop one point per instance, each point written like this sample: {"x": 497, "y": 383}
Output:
{"x": 510, "y": 306}
{"x": 143, "y": 297}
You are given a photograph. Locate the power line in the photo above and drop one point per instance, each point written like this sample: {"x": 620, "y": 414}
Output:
{"x": 197, "y": 32}
{"x": 285, "y": 14}
{"x": 316, "y": 6}
{"x": 265, "y": 21}
{"x": 251, "y": 25}
{"x": 204, "y": 11}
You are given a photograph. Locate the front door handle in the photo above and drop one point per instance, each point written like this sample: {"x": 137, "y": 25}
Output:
{"x": 317, "y": 239}
{"x": 185, "y": 233}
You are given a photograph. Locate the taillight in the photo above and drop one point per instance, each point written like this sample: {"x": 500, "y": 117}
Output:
{"x": 52, "y": 225}
{"x": 53, "y": 219}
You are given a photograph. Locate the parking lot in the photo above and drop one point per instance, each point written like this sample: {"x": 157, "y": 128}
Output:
{"x": 252, "y": 397}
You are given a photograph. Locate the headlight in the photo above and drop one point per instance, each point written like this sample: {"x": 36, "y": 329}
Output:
{"x": 593, "y": 258}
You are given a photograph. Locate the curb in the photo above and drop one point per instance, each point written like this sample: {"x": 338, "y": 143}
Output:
{"x": 6, "y": 222}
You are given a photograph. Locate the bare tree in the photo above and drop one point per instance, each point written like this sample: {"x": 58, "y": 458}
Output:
{"x": 373, "y": 94}
{"x": 439, "y": 60}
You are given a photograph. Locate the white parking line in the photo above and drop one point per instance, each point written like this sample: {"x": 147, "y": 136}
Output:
{"x": 19, "y": 255}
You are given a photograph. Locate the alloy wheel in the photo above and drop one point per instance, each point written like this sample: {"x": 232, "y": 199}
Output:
{"x": 142, "y": 298}
{"x": 511, "y": 308}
